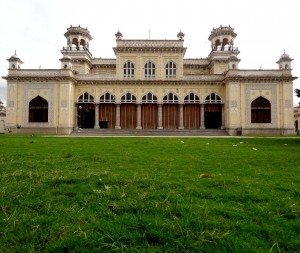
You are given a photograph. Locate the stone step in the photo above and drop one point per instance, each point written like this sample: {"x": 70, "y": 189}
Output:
{"x": 149, "y": 132}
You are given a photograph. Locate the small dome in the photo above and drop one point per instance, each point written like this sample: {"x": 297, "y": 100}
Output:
{"x": 66, "y": 57}
{"x": 119, "y": 35}
{"x": 180, "y": 35}
{"x": 284, "y": 56}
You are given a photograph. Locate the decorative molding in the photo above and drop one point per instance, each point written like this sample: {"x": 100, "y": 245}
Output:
{"x": 26, "y": 99}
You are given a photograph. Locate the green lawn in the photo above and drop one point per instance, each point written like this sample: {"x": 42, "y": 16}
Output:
{"x": 60, "y": 194}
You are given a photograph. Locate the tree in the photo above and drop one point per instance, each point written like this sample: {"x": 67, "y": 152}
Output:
{"x": 297, "y": 91}
{"x": 2, "y": 109}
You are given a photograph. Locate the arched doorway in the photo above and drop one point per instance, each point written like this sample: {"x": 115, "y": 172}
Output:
{"x": 86, "y": 111}
{"x": 149, "y": 111}
{"x": 38, "y": 110}
{"x": 260, "y": 110}
{"x": 170, "y": 112}
{"x": 128, "y": 111}
{"x": 213, "y": 111}
{"x": 191, "y": 112}
{"x": 107, "y": 111}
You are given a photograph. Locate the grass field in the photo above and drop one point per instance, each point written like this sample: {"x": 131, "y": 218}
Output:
{"x": 62, "y": 194}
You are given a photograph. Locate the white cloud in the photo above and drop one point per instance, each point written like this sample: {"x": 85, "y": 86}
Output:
{"x": 35, "y": 28}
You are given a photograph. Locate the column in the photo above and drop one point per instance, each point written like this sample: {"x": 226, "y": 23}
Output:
{"x": 223, "y": 117}
{"x": 96, "y": 116}
{"x": 181, "y": 117}
{"x": 138, "y": 116}
{"x": 202, "y": 122}
{"x": 159, "y": 116}
{"x": 76, "y": 117}
{"x": 118, "y": 126}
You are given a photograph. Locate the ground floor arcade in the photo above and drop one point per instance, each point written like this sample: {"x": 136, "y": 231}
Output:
{"x": 149, "y": 116}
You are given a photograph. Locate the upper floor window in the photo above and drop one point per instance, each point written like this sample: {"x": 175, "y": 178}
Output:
{"x": 149, "y": 70}
{"x": 191, "y": 98}
{"x": 128, "y": 69}
{"x": 107, "y": 98}
{"x": 213, "y": 98}
{"x": 86, "y": 98}
{"x": 171, "y": 70}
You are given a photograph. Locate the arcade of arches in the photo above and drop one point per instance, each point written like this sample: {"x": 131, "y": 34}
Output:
{"x": 149, "y": 114}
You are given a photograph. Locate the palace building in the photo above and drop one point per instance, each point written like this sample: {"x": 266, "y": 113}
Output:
{"x": 150, "y": 85}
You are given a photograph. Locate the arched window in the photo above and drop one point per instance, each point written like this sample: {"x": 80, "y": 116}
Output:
{"x": 170, "y": 98}
{"x": 191, "y": 99}
{"x": 149, "y": 70}
{"x": 260, "y": 110}
{"x": 38, "y": 110}
{"x": 170, "y": 70}
{"x": 128, "y": 69}
{"x": 213, "y": 98}
{"x": 86, "y": 98}
{"x": 149, "y": 98}
{"x": 107, "y": 98}
{"x": 128, "y": 98}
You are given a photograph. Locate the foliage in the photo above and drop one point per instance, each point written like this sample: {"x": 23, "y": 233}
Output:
{"x": 146, "y": 195}
{"x": 297, "y": 91}
{"x": 2, "y": 109}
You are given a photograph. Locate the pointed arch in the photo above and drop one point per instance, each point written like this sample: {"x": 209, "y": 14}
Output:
{"x": 149, "y": 98}
{"x": 170, "y": 98}
{"x": 171, "y": 69}
{"x": 38, "y": 110}
{"x": 260, "y": 110}
{"x": 128, "y": 98}
{"x": 128, "y": 69}
{"x": 85, "y": 98}
{"x": 191, "y": 98}
{"x": 149, "y": 69}
{"x": 213, "y": 98}
{"x": 107, "y": 98}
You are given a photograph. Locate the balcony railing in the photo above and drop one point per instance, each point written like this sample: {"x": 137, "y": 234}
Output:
{"x": 81, "y": 48}
{"x": 228, "y": 49}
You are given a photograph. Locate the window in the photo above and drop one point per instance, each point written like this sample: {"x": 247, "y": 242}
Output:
{"x": 107, "y": 98}
{"x": 170, "y": 70}
{"x": 128, "y": 69}
{"x": 128, "y": 98}
{"x": 213, "y": 98}
{"x": 191, "y": 99}
{"x": 86, "y": 98}
{"x": 260, "y": 110}
{"x": 149, "y": 70}
{"x": 38, "y": 110}
{"x": 149, "y": 98}
{"x": 170, "y": 98}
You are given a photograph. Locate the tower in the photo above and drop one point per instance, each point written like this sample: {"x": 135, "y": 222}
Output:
{"x": 285, "y": 61}
{"x": 77, "y": 55}
{"x": 14, "y": 62}
{"x": 79, "y": 37}
{"x": 223, "y": 54}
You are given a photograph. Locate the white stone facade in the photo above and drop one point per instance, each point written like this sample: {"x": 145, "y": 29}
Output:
{"x": 150, "y": 85}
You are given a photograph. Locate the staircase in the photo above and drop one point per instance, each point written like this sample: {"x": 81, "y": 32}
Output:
{"x": 149, "y": 132}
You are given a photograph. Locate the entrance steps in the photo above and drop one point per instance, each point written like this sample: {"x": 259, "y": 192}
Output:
{"x": 149, "y": 132}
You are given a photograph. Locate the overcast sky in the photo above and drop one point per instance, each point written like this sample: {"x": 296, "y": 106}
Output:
{"x": 35, "y": 28}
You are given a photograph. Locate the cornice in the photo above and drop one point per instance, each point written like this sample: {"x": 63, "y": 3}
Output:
{"x": 149, "y": 49}
{"x": 259, "y": 79}
{"x": 148, "y": 83}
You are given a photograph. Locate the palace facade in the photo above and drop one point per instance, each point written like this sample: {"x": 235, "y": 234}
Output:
{"x": 150, "y": 85}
